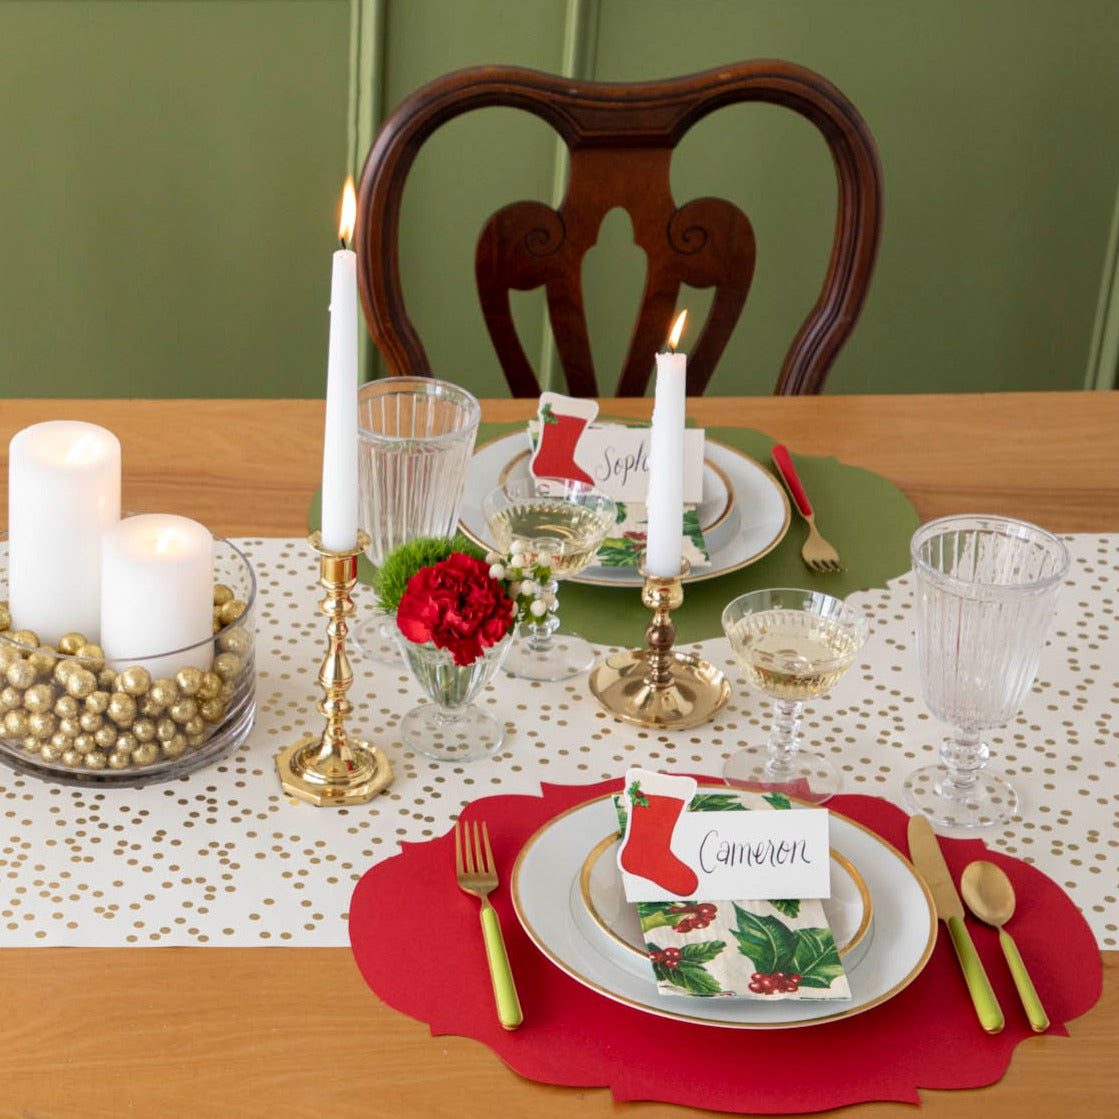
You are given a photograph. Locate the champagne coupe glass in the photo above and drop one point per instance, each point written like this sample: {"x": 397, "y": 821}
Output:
{"x": 559, "y": 522}
{"x": 985, "y": 589}
{"x": 792, "y": 645}
{"x": 415, "y": 439}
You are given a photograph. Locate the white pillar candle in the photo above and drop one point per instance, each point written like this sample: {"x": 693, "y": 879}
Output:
{"x": 664, "y": 503}
{"x": 157, "y": 594}
{"x": 63, "y": 493}
{"x": 339, "y": 460}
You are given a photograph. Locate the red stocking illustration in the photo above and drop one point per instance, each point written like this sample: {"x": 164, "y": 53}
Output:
{"x": 647, "y": 850}
{"x": 562, "y": 421}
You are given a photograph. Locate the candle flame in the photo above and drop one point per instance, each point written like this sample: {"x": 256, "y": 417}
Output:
{"x": 677, "y": 330}
{"x": 82, "y": 450}
{"x": 349, "y": 212}
{"x": 165, "y": 541}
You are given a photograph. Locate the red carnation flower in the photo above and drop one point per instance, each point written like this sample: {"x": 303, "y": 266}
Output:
{"x": 456, "y": 605}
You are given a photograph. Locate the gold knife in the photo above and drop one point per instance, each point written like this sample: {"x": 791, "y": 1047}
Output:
{"x": 924, "y": 851}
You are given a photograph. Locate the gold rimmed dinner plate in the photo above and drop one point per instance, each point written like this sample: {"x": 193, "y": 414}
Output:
{"x": 744, "y": 513}
{"x": 547, "y": 896}
{"x": 849, "y": 910}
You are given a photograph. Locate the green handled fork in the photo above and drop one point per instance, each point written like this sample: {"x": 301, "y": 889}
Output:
{"x": 477, "y": 874}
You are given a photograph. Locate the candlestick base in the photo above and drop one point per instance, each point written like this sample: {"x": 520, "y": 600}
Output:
{"x": 656, "y": 686}
{"x": 333, "y": 768}
{"x": 316, "y": 773}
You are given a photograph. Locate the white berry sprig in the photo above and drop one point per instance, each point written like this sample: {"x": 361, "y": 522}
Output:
{"x": 528, "y": 584}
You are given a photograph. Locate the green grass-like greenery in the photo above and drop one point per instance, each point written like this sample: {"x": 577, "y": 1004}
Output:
{"x": 403, "y": 562}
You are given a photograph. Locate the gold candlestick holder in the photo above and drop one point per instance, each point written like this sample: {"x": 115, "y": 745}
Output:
{"x": 334, "y": 768}
{"x": 657, "y": 686}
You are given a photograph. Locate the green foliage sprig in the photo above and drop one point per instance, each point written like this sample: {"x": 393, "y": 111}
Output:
{"x": 403, "y": 562}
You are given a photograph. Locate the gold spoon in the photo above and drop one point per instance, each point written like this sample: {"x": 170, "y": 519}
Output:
{"x": 990, "y": 896}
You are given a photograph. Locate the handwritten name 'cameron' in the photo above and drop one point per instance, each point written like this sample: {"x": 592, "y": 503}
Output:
{"x": 715, "y": 851}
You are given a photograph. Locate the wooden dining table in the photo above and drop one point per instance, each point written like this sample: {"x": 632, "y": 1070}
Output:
{"x": 279, "y": 1032}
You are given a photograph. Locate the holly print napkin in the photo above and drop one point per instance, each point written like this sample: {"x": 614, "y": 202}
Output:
{"x": 626, "y": 544}
{"x": 742, "y": 949}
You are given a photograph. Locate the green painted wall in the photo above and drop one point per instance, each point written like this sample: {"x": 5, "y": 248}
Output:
{"x": 171, "y": 168}
{"x": 169, "y": 180}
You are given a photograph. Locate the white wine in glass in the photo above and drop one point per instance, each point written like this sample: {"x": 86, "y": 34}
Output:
{"x": 792, "y": 645}
{"x": 560, "y": 523}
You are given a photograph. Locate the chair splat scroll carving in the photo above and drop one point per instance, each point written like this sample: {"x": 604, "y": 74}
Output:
{"x": 621, "y": 138}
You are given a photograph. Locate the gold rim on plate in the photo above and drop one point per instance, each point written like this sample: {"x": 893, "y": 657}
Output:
{"x": 664, "y": 1012}
{"x": 605, "y": 844}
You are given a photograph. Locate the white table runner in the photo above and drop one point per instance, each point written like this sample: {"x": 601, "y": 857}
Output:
{"x": 223, "y": 857}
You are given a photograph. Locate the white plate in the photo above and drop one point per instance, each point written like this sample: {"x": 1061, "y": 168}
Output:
{"x": 744, "y": 513}
{"x": 549, "y": 903}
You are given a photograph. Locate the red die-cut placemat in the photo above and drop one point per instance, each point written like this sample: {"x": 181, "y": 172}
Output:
{"x": 417, "y": 942}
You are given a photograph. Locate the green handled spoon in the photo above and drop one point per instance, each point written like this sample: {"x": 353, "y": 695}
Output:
{"x": 990, "y": 896}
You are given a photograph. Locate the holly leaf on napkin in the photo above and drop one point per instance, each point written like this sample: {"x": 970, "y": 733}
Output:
{"x": 684, "y": 968}
{"x": 790, "y": 907}
{"x": 766, "y": 941}
{"x": 816, "y": 960}
{"x": 716, "y": 802}
{"x": 777, "y": 800}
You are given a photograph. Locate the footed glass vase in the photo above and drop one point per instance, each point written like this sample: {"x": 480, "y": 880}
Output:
{"x": 451, "y": 728}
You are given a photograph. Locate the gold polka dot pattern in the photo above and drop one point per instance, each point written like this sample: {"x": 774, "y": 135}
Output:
{"x": 223, "y": 857}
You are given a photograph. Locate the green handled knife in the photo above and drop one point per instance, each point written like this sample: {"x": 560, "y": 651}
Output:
{"x": 925, "y": 853}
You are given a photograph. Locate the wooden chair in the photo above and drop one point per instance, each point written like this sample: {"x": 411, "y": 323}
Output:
{"x": 621, "y": 137}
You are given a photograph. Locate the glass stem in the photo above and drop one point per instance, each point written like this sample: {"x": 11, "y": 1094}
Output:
{"x": 782, "y": 744}
{"x": 964, "y": 755}
{"x": 539, "y": 633}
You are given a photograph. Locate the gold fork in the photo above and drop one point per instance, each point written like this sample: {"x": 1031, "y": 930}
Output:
{"x": 477, "y": 874}
{"x": 817, "y": 553}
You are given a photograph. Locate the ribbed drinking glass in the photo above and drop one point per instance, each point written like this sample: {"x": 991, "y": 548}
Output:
{"x": 415, "y": 439}
{"x": 985, "y": 590}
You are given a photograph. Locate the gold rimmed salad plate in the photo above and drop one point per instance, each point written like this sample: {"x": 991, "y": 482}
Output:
{"x": 744, "y": 513}
{"x": 547, "y": 891}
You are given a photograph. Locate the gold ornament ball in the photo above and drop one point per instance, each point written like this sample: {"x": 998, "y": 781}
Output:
{"x": 195, "y": 740}
{"x": 134, "y": 680}
{"x": 126, "y": 743}
{"x": 70, "y": 643}
{"x": 165, "y": 730}
{"x": 43, "y": 662}
{"x": 97, "y": 702}
{"x": 121, "y": 709}
{"x": 227, "y": 666}
{"x": 107, "y": 679}
{"x": 119, "y": 760}
{"x": 69, "y": 728}
{"x": 41, "y": 724}
{"x": 9, "y": 698}
{"x": 210, "y": 687}
{"x": 9, "y": 654}
{"x": 212, "y": 710}
{"x": 163, "y": 692}
{"x": 5, "y": 616}
{"x": 63, "y": 669}
{"x": 84, "y": 744}
{"x": 145, "y": 753}
{"x": 193, "y": 728}
{"x": 21, "y": 675}
{"x": 72, "y": 758}
{"x": 175, "y": 747}
{"x": 50, "y": 751}
{"x": 15, "y": 723}
{"x": 90, "y": 721}
{"x": 26, "y": 637}
{"x": 96, "y": 760}
{"x": 222, "y": 594}
{"x": 105, "y": 736}
{"x": 230, "y": 611}
{"x": 38, "y": 698}
{"x": 67, "y": 707}
{"x": 237, "y": 640}
{"x": 81, "y": 683}
{"x": 188, "y": 680}
{"x": 144, "y": 729}
{"x": 92, "y": 656}
{"x": 183, "y": 710}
